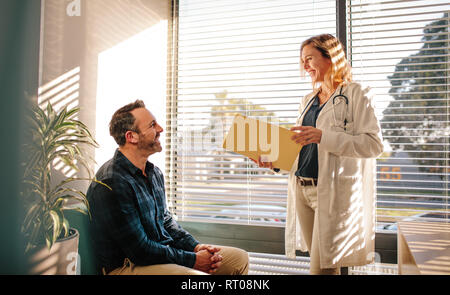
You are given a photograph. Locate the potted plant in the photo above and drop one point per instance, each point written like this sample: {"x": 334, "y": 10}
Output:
{"x": 51, "y": 244}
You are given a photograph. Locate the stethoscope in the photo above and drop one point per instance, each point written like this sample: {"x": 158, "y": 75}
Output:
{"x": 343, "y": 116}
{"x": 340, "y": 96}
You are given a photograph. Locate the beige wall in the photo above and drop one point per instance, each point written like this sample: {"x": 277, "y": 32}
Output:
{"x": 103, "y": 32}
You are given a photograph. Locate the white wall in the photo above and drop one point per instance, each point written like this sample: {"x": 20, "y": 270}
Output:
{"x": 133, "y": 69}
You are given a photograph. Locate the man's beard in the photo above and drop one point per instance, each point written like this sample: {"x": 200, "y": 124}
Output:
{"x": 155, "y": 145}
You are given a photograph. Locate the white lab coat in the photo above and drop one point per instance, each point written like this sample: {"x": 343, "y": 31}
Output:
{"x": 346, "y": 182}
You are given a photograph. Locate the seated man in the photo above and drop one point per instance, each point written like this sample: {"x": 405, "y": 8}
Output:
{"x": 132, "y": 230}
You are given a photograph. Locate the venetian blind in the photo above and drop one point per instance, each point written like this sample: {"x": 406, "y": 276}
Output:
{"x": 229, "y": 57}
{"x": 401, "y": 49}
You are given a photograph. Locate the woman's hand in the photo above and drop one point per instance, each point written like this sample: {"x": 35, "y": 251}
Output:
{"x": 307, "y": 135}
{"x": 262, "y": 164}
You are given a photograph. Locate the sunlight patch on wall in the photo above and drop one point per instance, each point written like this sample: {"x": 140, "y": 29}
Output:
{"x": 133, "y": 69}
{"x": 61, "y": 92}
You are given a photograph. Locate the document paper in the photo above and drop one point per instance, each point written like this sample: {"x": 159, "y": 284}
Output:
{"x": 253, "y": 138}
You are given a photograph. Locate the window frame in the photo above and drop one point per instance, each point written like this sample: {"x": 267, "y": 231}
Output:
{"x": 342, "y": 27}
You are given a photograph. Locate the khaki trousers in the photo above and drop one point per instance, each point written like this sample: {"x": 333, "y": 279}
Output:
{"x": 306, "y": 209}
{"x": 234, "y": 262}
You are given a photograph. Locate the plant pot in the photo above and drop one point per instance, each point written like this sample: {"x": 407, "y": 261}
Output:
{"x": 61, "y": 259}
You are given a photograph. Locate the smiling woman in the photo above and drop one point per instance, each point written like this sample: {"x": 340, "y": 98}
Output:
{"x": 331, "y": 190}
{"x": 320, "y": 53}
{"x": 315, "y": 63}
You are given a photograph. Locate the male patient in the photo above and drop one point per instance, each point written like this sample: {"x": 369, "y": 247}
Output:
{"x": 131, "y": 228}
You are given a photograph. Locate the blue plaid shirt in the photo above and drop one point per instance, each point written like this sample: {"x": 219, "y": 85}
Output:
{"x": 132, "y": 220}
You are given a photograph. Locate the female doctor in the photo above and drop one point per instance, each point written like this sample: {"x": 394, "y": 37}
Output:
{"x": 331, "y": 188}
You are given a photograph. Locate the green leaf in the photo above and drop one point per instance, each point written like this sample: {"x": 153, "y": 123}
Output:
{"x": 55, "y": 136}
{"x": 66, "y": 226}
{"x": 56, "y": 225}
{"x": 30, "y": 217}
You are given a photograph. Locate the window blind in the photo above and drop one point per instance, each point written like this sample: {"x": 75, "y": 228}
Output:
{"x": 230, "y": 57}
{"x": 401, "y": 49}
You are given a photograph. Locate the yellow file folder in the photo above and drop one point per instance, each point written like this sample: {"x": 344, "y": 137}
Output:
{"x": 253, "y": 138}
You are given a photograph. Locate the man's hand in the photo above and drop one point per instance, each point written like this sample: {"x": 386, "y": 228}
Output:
{"x": 203, "y": 261}
{"x": 216, "y": 261}
{"x": 208, "y": 259}
{"x": 207, "y": 262}
{"x": 211, "y": 249}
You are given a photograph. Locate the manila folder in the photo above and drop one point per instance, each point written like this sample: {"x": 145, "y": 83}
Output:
{"x": 253, "y": 138}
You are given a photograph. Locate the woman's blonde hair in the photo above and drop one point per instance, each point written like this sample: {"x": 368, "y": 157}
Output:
{"x": 330, "y": 47}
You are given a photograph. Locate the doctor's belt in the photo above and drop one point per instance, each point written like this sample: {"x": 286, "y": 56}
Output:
{"x": 306, "y": 182}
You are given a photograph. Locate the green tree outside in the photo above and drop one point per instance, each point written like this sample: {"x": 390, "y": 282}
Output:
{"x": 416, "y": 121}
